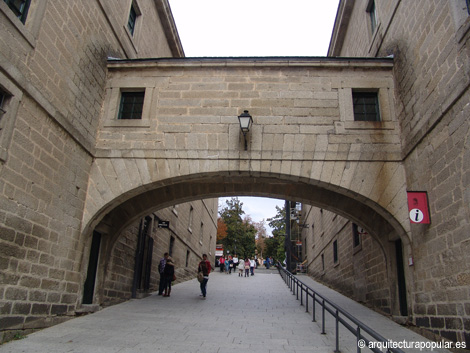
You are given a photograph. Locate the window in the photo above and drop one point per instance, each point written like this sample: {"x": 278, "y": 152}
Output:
{"x": 133, "y": 13}
{"x": 187, "y": 258}
{"x": 335, "y": 251}
{"x": 191, "y": 214}
{"x": 201, "y": 234}
{"x": 172, "y": 244}
{"x": 356, "y": 236}
{"x": 19, "y": 8}
{"x": 366, "y": 106}
{"x": 468, "y": 6}
{"x": 10, "y": 98}
{"x": 372, "y": 15}
{"x": 131, "y": 105}
{"x": 323, "y": 262}
{"x": 3, "y": 98}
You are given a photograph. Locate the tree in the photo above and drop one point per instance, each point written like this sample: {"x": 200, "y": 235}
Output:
{"x": 221, "y": 230}
{"x": 261, "y": 235}
{"x": 275, "y": 244}
{"x": 240, "y": 237}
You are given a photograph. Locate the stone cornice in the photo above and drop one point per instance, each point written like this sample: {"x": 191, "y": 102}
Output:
{"x": 321, "y": 62}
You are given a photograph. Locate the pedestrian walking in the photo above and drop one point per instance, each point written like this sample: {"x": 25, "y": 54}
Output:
{"x": 222, "y": 263}
{"x": 161, "y": 267}
{"x": 168, "y": 274}
{"x": 230, "y": 266}
{"x": 241, "y": 268}
{"x": 227, "y": 265}
{"x": 204, "y": 267}
{"x": 247, "y": 267}
{"x": 235, "y": 263}
{"x": 252, "y": 266}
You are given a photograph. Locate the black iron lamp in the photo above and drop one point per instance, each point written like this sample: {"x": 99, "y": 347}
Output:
{"x": 246, "y": 121}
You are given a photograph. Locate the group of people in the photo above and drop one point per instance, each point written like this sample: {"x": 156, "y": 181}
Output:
{"x": 166, "y": 267}
{"x": 229, "y": 263}
{"x": 246, "y": 267}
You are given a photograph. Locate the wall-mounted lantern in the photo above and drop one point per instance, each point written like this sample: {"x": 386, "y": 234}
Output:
{"x": 246, "y": 121}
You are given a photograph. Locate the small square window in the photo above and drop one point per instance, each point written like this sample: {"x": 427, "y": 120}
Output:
{"x": 131, "y": 105}
{"x": 366, "y": 106}
{"x": 19, "y": 8}
{"x": 132, "y": 19}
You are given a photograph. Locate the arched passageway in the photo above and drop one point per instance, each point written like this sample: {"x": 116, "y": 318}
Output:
{"x": 125, "y": 210}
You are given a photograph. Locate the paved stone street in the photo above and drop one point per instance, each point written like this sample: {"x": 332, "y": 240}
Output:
{"x": 256, "y": 314}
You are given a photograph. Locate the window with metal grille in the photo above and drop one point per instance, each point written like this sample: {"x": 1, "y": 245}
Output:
{"x": 366, "y": 106}
{"x": 356, "y": 235}
{"x": 132, "y": 19}
{"x": 131, "y": 105}
{"x": 19, "y": 8}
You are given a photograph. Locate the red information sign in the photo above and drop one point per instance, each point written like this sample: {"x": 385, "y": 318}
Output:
{"x": 418, "y": 207}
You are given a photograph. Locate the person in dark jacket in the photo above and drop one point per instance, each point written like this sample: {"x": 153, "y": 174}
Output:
{"x": 206, "y": 267}
{"x": 168, "y": 273}
{"x": 161, "y": 267}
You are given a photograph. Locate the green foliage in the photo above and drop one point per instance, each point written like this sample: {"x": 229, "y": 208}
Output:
{"x": 241, "y": 233}
{"x": 275, "y": 244}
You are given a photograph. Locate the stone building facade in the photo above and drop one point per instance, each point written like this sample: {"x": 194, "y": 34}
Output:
{"x": 192, "y": 231}
{"x": 429, "y": 41}
{"x": 53, "y": 69}
{"x": 339, "y": 253}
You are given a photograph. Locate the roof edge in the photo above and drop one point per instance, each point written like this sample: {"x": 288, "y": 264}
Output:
{"x": 343, "y": 16}
{"x": 169, "y": 28}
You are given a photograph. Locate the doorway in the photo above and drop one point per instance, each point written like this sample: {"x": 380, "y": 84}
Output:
{"x": 89, "y": 286}
{"x": 401, "y": 279}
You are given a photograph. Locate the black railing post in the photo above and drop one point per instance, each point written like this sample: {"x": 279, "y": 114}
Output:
{"x": 306, "y": 299}
{"x": 314, "y": 306}
{"x": 337, "y": 331}
{"x": 301, "y": 294}
{"x": 358, "y": 337}
{"x": 323, "y": 318}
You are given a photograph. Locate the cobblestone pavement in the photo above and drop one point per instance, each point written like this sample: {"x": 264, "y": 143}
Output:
{"x": 255, "y": 314}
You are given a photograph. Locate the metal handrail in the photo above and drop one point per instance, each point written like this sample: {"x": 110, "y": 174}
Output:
{"x": 355, "y": 326}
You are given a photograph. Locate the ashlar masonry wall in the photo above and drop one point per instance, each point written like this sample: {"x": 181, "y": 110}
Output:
{"x": 360, "y": 271}
{"x": 430, "y": 44}
{"x": 184, "y": 241}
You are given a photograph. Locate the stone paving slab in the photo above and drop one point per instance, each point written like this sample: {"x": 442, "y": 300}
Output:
{"x": 256, "y": 314}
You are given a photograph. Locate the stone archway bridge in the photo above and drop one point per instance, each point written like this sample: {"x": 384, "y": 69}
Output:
{"x": 304, "y": 143}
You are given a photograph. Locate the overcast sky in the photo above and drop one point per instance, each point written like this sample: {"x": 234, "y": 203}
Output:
{"x": 255, "y": 28}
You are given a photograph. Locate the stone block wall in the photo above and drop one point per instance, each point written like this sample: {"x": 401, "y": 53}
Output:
{"x": 360, "y": 272}
{"x": 43, "y": 187}
{"x": 429, "y": 41}
{"x": 53, "y": 72}
{"x": 187, "y": 248}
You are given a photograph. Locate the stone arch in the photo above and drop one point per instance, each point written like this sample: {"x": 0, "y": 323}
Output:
{"x": 124, "y": 209}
